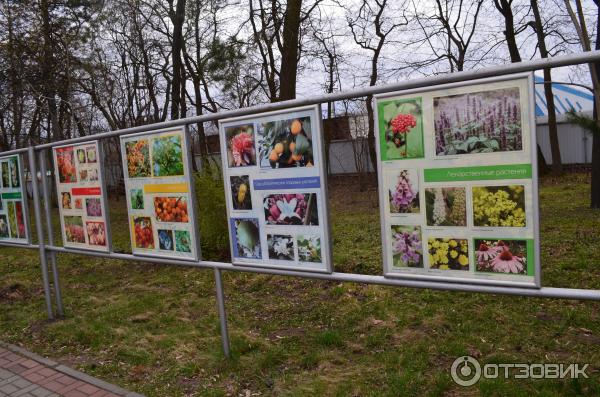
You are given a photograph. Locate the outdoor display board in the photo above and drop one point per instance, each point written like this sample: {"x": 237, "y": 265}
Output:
{"x": 160, "y": 194}
{"x": 13, "y": 203}
{"x": 458, "y": 182}
{"x": 276, "y": 191}
{"x": 81, "y": 196}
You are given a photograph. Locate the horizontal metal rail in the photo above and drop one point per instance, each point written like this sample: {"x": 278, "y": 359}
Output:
{"x": 512, "y": 68}
{"x": 544, "y": 292}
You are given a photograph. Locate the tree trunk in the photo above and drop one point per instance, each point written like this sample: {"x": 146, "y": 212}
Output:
{"x": 177, "y": 17}
{"x": 595, "y": 189}
{"x": 47, "y": 71}
{"x": 289, "y": 53}
{"x": 371, "y": 133}
{"x": 553, "y": 130}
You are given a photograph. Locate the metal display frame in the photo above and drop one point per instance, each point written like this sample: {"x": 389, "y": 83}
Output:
{"x": 192, "y": 210}
{"x": 326, "y": 244}
{"x": 530, "y": 99}
{"x": 25, "y": 202}
{"x": 49, "y": 249}
{"x": 101, "y": 182}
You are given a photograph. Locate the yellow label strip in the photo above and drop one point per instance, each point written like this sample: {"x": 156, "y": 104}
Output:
{"x": 166, "y": 188}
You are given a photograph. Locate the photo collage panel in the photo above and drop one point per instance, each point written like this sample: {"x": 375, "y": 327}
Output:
{"x": 13, "y": 215}
{"x": 457, "y": 183}
{"x": 159, "y": 194}
{"x": 274, "y": 189}
{"x": 81, "y": 200}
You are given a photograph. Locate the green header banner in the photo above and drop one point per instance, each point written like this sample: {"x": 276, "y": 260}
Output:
{"x": 12, "y": 196}
{"x": 486, "y": 172}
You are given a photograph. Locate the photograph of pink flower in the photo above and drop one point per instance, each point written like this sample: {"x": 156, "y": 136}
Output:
{"x": 407, "y": 246}
{"x": 501, "y": 256}
{"x": 403, "y": 191}
{"x": 291, "y": 209}
{"x": 240, "y": 145}
{"x": 478, "y": 122}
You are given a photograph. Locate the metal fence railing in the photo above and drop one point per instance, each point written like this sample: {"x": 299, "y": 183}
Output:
{"x": 47, "y": 249}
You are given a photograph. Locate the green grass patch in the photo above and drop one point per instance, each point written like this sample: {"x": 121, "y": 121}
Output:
{"x": 154, "y": 329}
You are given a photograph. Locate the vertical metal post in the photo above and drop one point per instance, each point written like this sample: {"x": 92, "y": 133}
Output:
{"x": 222, "y": 313}
{"x": 49, "y": 229}
{"x": 39, "y": 229}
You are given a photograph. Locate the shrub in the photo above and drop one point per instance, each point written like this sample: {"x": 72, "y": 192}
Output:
{"x": 212, "y": 215}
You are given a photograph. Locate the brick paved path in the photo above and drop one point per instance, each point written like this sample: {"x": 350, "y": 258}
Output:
{"x": 24, "y": 374}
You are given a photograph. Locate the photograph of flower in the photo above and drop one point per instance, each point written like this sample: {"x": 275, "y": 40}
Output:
{"x": 403, "y": 191}
{"x": 12, "y": 219}
{"x": 240, "y": 192}
{"x": 138, "y": 158}
{"x": 167, "y": 156}
{"x": 246, "y": 238}
{"x": 286, "y": 143}
{"x": 5, "y": 175}
{"x": 183, "y": 241}
{"x": 65, "y": 159}
{"x": 66, "y": 200}
{"x": 81, "y": 156}
{"x": 92, "y": 175}
{"x": 14, "y": 172}
{"x": 136, "y": 197}
{"x": 96, "y": 233}
{"x": 281, "y": 247}
{"x": 92, "y": 156}
{"x": 309, "y": 248}
{"x": 20, "y": 217}
{"x": 83, "y": 175}
{"x": 448, "y": 253}
{"x": 499, "y": 206}
{"x": 143, "y": 235}
{"x": 165, "y": 240}
{"x": 291, "y": 209}
{"x": 4, "y": 233}
{"x": 78, "y": 204}
{"x": 240, "y": 145}
{"x": 407, "y": 246}
{"x": 501, "y": 256}
{"x": 400, "y": 128}
{"x": 93, "y": 207}
{"x": 478, "y": 122}
{"x": 74, "y": 229}
{"x": 446, "y": 206}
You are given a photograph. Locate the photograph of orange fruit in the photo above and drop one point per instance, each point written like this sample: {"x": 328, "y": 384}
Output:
{"x": 171, "y": 209}
{"x": 286, "y": 143}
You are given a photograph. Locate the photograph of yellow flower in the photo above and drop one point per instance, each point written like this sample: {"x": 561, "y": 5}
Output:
{"x": 448, "y": 253}
{"x": 499, "y": 206}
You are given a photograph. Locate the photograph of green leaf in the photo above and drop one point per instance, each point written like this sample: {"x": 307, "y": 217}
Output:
{"x": 167, "y": 156}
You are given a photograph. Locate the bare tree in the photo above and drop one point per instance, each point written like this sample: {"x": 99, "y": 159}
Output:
{"x": 538, "y": 27}
{"x": 277, "y": 33}
{"x": 371, "y": 29}
{"x": 449, "y": 32}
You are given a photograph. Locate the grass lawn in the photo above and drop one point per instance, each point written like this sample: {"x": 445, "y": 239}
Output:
{"x": 154, "y": 329}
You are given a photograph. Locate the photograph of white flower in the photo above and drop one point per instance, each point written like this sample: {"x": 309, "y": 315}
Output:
{"x": 281, "y": 247}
